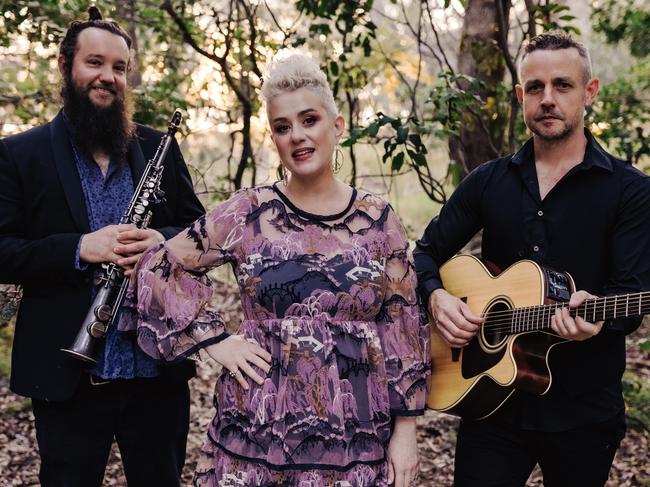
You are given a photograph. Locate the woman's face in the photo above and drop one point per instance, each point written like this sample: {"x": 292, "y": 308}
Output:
{"x": 304, "y": 133}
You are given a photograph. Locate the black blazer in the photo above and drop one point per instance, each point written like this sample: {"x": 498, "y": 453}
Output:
{"x": 42, "y": 216}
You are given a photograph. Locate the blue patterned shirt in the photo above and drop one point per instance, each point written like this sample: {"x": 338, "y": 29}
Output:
{"x": 106, "y": 200}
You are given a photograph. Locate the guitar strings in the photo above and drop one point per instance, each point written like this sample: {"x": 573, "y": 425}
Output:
{"x": 509, "y": 326}
{"x": 504, "y": 321}
{"x": 604, "y": 300}
{"x": 536, "y": 315}
{"x": 583, "y": 308}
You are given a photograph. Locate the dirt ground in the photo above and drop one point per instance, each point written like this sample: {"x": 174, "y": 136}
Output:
{"x": 19, "y": 460}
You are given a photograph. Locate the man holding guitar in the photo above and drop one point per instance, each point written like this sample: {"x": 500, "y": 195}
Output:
{"x": 568, "y": 206}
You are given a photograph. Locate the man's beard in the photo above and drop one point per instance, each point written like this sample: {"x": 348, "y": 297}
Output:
{"x": 556, "y": 136}
{"x": 108, "y": 129}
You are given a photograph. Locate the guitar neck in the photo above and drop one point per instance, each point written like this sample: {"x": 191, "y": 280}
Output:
{"x": 534, "y": 318}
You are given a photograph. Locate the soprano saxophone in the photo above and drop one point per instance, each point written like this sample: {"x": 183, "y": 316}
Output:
{"x": 111, "y": 281}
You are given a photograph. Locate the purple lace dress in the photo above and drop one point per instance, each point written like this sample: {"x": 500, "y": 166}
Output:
{"x": 332, "y": 298}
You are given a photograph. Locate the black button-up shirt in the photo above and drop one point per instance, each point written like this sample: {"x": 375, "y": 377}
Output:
{"x": 595, "y": 224}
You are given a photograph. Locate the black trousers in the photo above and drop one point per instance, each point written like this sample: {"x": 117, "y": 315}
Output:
{"x": 491, "y": 455}
{"x": 149, "y": 419}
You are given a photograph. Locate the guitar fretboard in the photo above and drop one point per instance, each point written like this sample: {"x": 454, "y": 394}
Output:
{"x": 535, "y": 318}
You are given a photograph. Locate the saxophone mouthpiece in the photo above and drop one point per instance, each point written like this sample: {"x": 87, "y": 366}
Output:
{"x": 177, "y": 117}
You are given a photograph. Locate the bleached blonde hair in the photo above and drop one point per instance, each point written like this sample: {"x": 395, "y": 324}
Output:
{"x": 290, "y": 73}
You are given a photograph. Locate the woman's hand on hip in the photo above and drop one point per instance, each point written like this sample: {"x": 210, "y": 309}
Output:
{"x": 239, "y": 355}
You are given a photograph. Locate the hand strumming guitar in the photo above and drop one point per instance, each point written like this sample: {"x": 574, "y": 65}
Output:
{"x": 454, "y": 320}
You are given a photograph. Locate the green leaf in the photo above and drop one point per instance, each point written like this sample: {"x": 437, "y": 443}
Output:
{"x": 416, "y": 140}
{"x": 366, "y": 47}
{"x": 456, "y": 173}
{"x": 334, "y": 68}
{"x": 644, "y": 345}
{"x": 402, "y": 134}
{"x": 417, "y": 158}
{"x": 398, "y": 162}
{"x": 347, "y": 143}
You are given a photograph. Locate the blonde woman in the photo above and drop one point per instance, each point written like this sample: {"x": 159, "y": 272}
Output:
{"x": 323, "y": 380}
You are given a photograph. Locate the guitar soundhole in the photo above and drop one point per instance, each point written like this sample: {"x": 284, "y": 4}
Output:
{"x": 497, "y": 323}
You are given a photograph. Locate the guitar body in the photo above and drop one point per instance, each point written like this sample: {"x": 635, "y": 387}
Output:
{"x": 476, "y": 380}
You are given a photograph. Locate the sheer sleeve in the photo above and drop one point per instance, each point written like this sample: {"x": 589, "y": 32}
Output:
{"x": 403, "y": 327}
{"x": 168, "y": 301}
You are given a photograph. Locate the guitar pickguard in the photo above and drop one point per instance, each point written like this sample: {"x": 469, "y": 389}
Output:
{"x": 476, "y": 360}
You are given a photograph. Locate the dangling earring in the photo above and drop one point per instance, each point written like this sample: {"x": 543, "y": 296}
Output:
{"x": 338, "y": 160}
{"x": 282, "y": 174}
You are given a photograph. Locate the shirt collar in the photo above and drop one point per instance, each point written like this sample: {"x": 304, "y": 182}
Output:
{"x": 595, "y": 155}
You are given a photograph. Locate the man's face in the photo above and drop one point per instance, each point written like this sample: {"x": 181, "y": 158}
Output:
{"x": 99, "y": 66}
{"x": 553, "y": 92}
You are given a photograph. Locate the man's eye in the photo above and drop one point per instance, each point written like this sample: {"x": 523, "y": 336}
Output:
{"x": 310, "y": 120}
{"x": 121, "y": 69}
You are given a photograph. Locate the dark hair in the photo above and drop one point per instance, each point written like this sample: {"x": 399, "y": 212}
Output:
{"x": 558, "y": 39}
{"x": 68, "y": 46}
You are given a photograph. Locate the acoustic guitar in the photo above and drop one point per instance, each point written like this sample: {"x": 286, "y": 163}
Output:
{"x": 510, "y": 351}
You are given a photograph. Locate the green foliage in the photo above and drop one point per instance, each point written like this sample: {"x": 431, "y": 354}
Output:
{"x": 636, "y": 391}
{"x": 401, "y": 138}
{"x": 624, "y": 21}
{"x": 621, "y": 118}
{"x": 431, "y": 104}
{"x": 554, "y": 16}
{"x": 6, "y": 339}
{"x": 451, "y": 99}
{"x": 622, "y": 106}
{"x": 349, "y": 23}
{"x": 29, "y": 92}
{"x": 644, "y": 345}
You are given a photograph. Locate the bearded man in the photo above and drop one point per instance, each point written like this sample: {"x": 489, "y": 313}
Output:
{"x": 65, "y": 186}
{"x": 563, "y": 202}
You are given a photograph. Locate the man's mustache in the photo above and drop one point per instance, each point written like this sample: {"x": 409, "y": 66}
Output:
{"x": 549, "y": 115}
{"x": 103, "y": 87}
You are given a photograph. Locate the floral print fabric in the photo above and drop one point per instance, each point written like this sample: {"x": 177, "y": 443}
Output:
{"x": 332, "y": 298}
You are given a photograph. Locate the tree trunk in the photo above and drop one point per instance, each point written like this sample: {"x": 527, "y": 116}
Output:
{"x": 481, "y": 136}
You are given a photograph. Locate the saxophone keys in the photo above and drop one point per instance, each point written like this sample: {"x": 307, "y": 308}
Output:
{"x": 97, "y": 329}
{"x": 139, "y": 209}
{"x": 103, "y": 312}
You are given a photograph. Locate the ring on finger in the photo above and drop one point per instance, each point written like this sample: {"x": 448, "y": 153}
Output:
{"x": 233, "y": 373}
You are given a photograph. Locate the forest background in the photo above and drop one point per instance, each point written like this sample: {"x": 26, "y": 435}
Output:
{"x": 426, "y": 88}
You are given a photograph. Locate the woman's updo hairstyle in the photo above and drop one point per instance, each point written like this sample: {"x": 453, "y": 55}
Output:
{"x": 293, "y": 72}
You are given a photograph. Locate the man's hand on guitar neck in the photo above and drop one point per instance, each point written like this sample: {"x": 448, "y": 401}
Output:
{"x": 575, "y": 328}
{"x": 454, "y": 320}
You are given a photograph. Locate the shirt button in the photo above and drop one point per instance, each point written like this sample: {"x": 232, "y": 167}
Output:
{"x": 535, "y": 248}
{"x": 540, "y": 213}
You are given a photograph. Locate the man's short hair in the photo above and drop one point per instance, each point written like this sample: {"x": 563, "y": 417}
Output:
{"x": 554, "y": 40}
{"x": 68, "y": 46}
